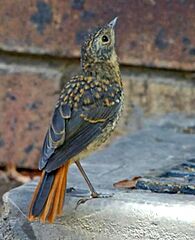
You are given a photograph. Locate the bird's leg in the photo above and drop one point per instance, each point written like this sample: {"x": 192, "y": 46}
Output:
{"x": 94, "y": 194}
{"x": 91, "y": 188}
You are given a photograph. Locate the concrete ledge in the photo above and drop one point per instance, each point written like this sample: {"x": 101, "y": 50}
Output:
{"x": 129, "y": 214}
{"x": 132, "y": 215}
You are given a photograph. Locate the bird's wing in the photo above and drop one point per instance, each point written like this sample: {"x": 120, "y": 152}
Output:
{"x": 55, "y": 135}
{"x": 71, "y": 131}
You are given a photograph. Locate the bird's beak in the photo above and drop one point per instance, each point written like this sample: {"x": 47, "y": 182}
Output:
{"x": 112, "y": 23}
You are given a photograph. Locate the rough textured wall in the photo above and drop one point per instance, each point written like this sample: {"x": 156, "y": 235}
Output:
{"x": 40, "y": 42}
{"x": 152, "y": 32}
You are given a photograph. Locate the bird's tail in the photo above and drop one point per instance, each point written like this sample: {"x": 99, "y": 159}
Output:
{"x": 48, "y": 198}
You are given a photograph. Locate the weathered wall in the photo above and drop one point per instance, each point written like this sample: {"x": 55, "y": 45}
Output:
{"x": 152, "y": 32}
{"x": 40, "y": 42}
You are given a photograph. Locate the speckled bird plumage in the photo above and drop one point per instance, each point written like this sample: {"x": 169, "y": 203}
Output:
{"x": 89, "y": 105}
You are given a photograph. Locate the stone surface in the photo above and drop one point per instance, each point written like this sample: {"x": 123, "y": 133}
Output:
{"x": 129, "y": 214}
{"x": 149, "y": 32}
{"x": 27, "y": 99}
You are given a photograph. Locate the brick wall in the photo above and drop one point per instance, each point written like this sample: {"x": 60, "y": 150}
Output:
{"x": 40, "y": 42}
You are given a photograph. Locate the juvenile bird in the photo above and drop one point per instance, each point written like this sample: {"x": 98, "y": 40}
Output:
{"x": 86, "y": 113}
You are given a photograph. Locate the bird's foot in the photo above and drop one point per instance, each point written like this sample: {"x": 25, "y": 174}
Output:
{"x": 93, "y": 195}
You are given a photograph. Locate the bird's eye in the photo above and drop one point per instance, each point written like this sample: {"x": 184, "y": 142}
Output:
{"x": 105, "y": 39}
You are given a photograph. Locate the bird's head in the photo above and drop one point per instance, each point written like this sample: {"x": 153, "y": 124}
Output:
{"x": 99, "y": 45}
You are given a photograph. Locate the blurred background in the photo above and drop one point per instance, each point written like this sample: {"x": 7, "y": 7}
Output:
{"x": 40, "y": 49}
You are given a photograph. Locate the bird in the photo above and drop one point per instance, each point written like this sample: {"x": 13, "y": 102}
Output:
{"x": 87, "y": 111}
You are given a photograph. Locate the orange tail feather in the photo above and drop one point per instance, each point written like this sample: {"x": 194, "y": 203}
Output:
{"x": 55, "y": 199}
{"x": 53, "y": 211}
{"x": 63, "y": 189}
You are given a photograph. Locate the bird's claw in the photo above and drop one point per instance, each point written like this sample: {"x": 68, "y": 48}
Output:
{"x": 93, "y": 195}
{"x": 82, "y": 201}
